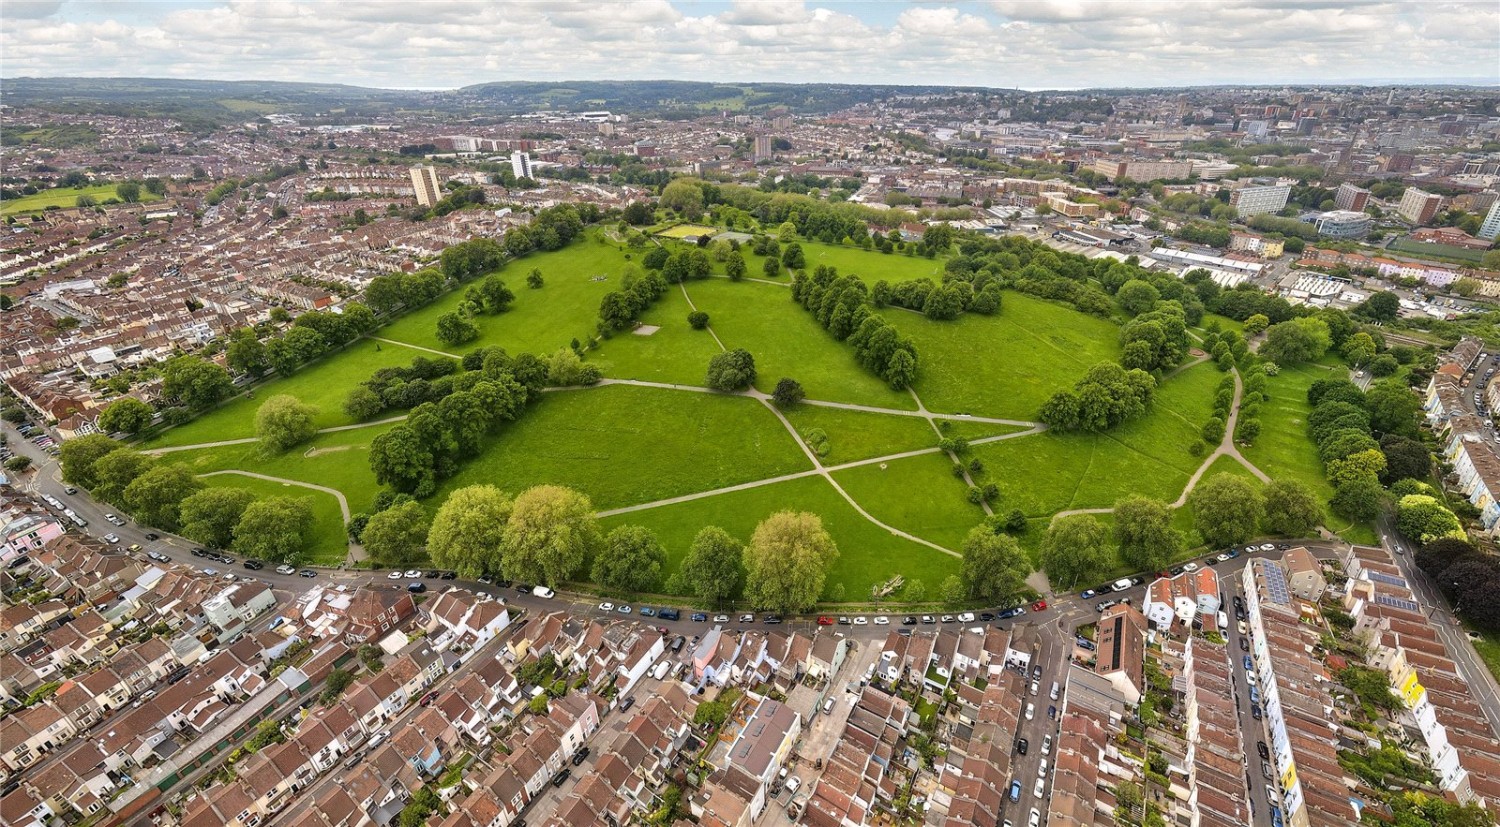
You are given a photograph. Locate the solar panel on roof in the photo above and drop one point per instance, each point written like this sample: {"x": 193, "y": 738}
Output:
{"x": 1397, "y": 603}
{"x": 1382, "y": 577}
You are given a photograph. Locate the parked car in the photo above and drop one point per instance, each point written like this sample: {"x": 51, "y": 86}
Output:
{"x": 1087, "y": 593}
{"x": 1255, "y": 711}
{"x": 647, "y": 611}
{"x": 1260, "y": 747}
{"x": 668, "y": 614}
{"x": 622, "y": 609}
{"x": 698, "y": 617}
{"x": 881, "y": 620}
{"x": 1022, "y": 745}
{"x": 543, "y": 592}
{"x": 606, "y": 607}
{"x": 413, "y": 574}
{"x": 285, "y": 569}
{"x": 1015, "y": 791}
{"x": 772, "y": 619}
{"x": 721, "y": 618}
{"x": 909, "y": 620}
{"x": 747, "y": 618}
{"x": 307, "y": 573}
{"x": 111, "y": 538}
{"x": 153, "y": 536}
{"x": 416, "y": 587}
{"x": 1039, "y": 606}
{"x": 448, "y": 575}
{"x": 1015, "y": 611}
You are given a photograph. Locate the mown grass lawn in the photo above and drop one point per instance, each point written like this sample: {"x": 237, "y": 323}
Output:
{"x": 787, "y": 341}
{"x": 856, "y": 435}
{"x": 868, "y": 265}
{"x": 1284, "y": 449}
{"x": 868, "y": 555}
{"x": 918, "y": 495}
{"x": 328, "y": 545}
{"x": 623, "y": 445}
{"x": 539, "y": 321}
{"x": 1005, "y": 365}
{"x": 67, "y": 198}
{"x": 323, "y": 384}
{"x": 675, "y": 353}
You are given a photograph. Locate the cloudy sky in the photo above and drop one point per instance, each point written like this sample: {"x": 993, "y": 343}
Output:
{"x": 1014, "y": 43}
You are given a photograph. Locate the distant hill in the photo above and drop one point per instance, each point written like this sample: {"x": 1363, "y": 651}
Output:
{"x": 685, "y": 97}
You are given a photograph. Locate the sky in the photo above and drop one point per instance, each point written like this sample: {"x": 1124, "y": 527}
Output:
{"x": 1029, "y": 44}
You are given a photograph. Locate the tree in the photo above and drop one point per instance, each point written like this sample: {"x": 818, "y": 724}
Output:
{"x": 1256, "y": 324}
{"x": 128, "y": 191}
{"x": 247, "y": 354}
{"x": 494, "y": 295}
{"x": 197, "y": 383}
{"x": 468, "y": 531}
{"x": 1106, "y": 396}
{"x": 455, "y": 328}
{"x": 731, "y": 371}
{"x": 534, "y": 279}
{"x": 283, "y": 422}
{"x": 771, "y": 268}
{"x": 1137, "y": 297}
{"x": 155, "y": 496}
{"x": 276, "y": 529}
{"x": 714, "y": 569}
{"x": 1359, "y": 498}
{"x": 1296, "y": 341}
{"x": 80, "y": 454}
{"x": 734, "y": 266}
{"x": 788, "y": 392}
{"x": 1075, "y": 548}
{"x": 363, "y": 403}
{"x": 551, "y": 533}
{"x": 1359, "y": 349}
{"x": 209, "y": 516}
{"x": 1393, "y": 408}
{"x": 631, "y": 560}
{"x": 1404, "y": 458}
{"x": 994, "y": 566}
{"x": 1424, "y": 519}
{"x": 1382, "y": 306}
{"x": 683, "y": 195}
{"x": 117, "y": 470}
{"x": 1226, "y": 510}
{"x": 395, "y": 536}
{"x": 1292, "y": 509}
{"x": 1143, "y": 528}
{"x": 128, "y": 415}
{"x": 787, "y": 561}
{"x": 1366, "y": 464}
{"x": 793, "y": 258}
{"x": 402, "y": 460}
{"x": 697, "y": 320}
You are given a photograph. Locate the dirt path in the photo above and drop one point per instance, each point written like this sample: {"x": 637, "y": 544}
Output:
{"x": 711, "y": 332}
{"x": 249, "y": 439}
{"x": 356, "y": 552}
{"x": 417, "y": 347}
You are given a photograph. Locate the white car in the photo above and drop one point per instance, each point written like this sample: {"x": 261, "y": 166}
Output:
{"x": 606, "y": 607}
{"x": 1041, "y": 787}
{"x": 721, "y": 618}
{"x": 966, "y": 617}
{"x": 1041, "y": 769}
{"x": 1221, "y": 558}
{"x": 1047, "y": 745}
{"x": 413, "y": 574}
{"x": 1251, "y": 549}
{"x": 395, "y": 575}
{"x": 285, "y": 569}
{"x": 543, "y": 592}
{"x": 1189, "y": 566}
{"x": 624, "y": 609}
{"x": 882, "y": 620}
{"x": 1267, "y": 546}
{"x": 1030, "y": 711}
{"x": 1036, "y": 818}
{"x": 861, "y": 621}
{"x": 111, "y": 538}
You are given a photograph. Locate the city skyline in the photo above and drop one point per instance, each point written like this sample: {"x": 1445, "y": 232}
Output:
{"x": 1025, "y": 45}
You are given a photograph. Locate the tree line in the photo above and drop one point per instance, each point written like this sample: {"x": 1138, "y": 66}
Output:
{"x": 841, "y": 306}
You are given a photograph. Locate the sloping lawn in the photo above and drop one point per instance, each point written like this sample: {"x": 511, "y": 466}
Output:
{"x": 675, "y": 353}
{"x": 918, "y": 495}
{"x": 856, "y": 435}
{"x": 329, "y": 544}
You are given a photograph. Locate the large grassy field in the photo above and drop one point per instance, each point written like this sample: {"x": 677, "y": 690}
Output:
{"x": 870, "y": 266}
{"x": 66, "y": 198}
{"x": 1005, "y": 365}
{"x": 1284, "y": 449}
{"x": 940, "y": 513}
{"x": 868, "y": 555}
{"x": 674, "y": 353}
{"x": 328, "y": 544}
{"x": 856, "y": 435}
{"x": 625, "y": 445}
{"x": 786, "y": 341}
{"x": 323, "y": 385}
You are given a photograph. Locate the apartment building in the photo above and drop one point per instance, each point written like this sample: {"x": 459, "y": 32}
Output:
{"x": 1139, "y": 170}
{"x": 1350, "y": 197}
{"x": 1256, "y": 200}
{"x": 1417, "y": 206}
{"x": 424, "y": 182}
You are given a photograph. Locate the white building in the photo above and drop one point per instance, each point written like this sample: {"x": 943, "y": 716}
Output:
{"x": 1257, "y": 200}
{"x": 424, "y": 181}
{"x": 1490, "y": 229}
{"x": 520, "y": 164}
{"x": 1344, "y": 224}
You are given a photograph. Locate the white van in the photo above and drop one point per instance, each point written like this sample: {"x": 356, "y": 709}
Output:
{"x": 1120, "y": 585}
{"x": 661, "y": 670}
{"x": 1055, "y": 690}
{"x": 543, "y": 592}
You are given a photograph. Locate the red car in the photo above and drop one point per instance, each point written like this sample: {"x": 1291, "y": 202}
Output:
{"x": 429, "y": 698}
{"x": 1039, "y": 606}
{"x": 825, "y": 620}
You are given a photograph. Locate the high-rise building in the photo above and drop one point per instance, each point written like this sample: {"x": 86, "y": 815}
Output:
{"x": 762, "y": 148}
{"x": 1418, "y": 206}
{"x": 520, "y": 164}
{"x": 1490, "y": 229}
{"x": 1350, "y": 197}
{"x": 424, "y": 181}
{"x": 1257, "y": 200}
{"x": 1115, "y": 169}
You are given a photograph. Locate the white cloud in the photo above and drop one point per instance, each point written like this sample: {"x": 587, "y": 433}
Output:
{"x": 1060, "y": 43}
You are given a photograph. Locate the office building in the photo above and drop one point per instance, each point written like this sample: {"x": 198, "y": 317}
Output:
{"x": 1344, "y": 224}
{"x": 1350, "y": 197}
{"x": 424, "y": 182}
{"x": 1490, "y": 229}
{"x": 1417, "y": 206}
{"x": 1115, "y": 169}
{"x": 520, "y": 164}
{"x": 1262, "y": 199}
{"x": 762, "y": 148}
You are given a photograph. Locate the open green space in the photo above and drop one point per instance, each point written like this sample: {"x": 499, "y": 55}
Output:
{"x": 685, "y": 230}
{"x": 868, "y": 265}
{"x": 1422, "y": 249}
{"x": 624, "y": 445}
{"x": 328, "y": 545}
{"x": 918, "y": 495}
{"x": 856, "y": 435}
{"x": 539, "y": 321}
{"x": 786, "y": 341}
{"x": 66, "y": 198}
{"x": 1284, "y": 449}
{"x": 673, "y": 353}
{"x": 1005, "y": 365}
{"x": 323, "y": 384}
{"x": 868, "y": 555}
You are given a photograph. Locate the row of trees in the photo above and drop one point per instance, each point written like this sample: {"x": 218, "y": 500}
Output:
{"x": 841, "y": 306}
{"x": 1365, "y": 438}
{"x": 1105, "y": 397}
{"x": 170, "y": 497}
{"x": 620, "y": 309}
{"x": 1468, "y": 577}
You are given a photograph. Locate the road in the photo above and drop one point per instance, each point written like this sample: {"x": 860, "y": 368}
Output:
{"x": 1252, "y": 732}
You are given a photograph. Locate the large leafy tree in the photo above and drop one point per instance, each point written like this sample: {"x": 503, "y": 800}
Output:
{"x": 731, "y": 371}
{"x": 1075, "y": 548}
{"x": 395, "y": 536}
{"x": 469, "y": 529}
{"x": 80, "y": 454}
{"x": 117, "y": 470}
{"x": 1291, "y": 509}
{"x": 401, "y": 459}
{"x": 1393, "y": 408}
{"x": 1143, "y": 528}
{"x": 1226, "y": 509}
{"x": 994, "y": 566}
{"x": 787, "y": 561}
{"x": 714, "y": 569}
{"x": 1424, "y": 519}
{"x": 209, "y": 516}
{"x": 128, "y": 415}
{"x": 276, "y": 529}
{"x": 198, "y": 383}
{"x": 551, "y": 534}
{"x": 1405, "y": 458}
{"x": 1296, "y": 341}
{"x": 247, "y": 354}
{"x": 155, "y": 496}
{"x": 630, "y": 560}
{"x": 283, "y": 422}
